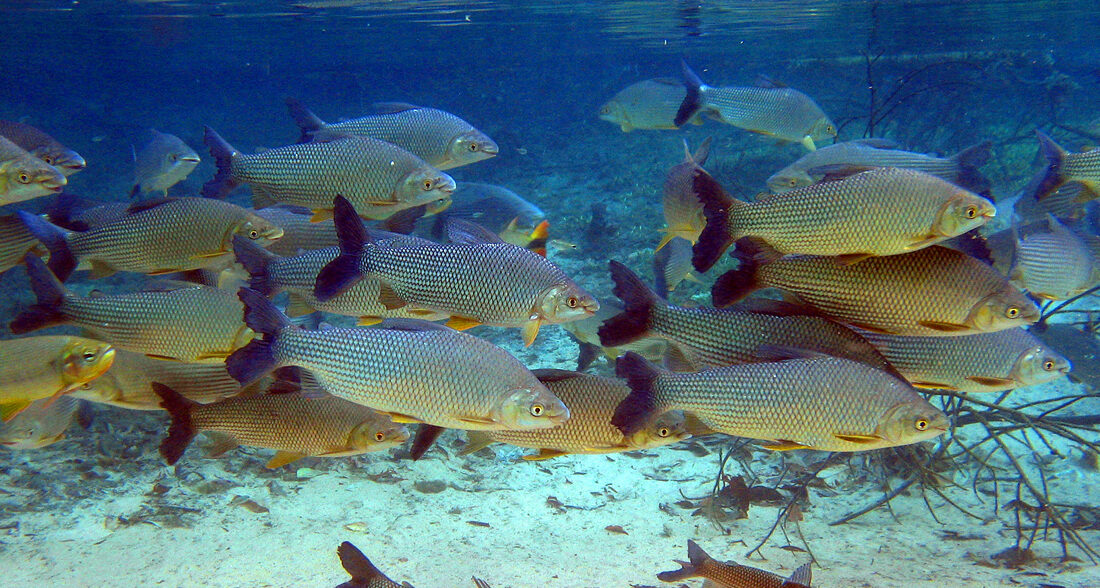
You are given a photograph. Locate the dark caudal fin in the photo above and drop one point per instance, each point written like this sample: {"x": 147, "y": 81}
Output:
{"x": 736, "y": 284}
{"x": 50, "y": 294}
{"x": 62, "y": 260}
{"x": 307, "y": 122}
{"x": 640, "y": 405}
{"x": 638, "y": 301}
{"x": 342, "y": 272}
{"x": 223, "y": 154}
{"x": 969, "y": 160}
{"x": 1051, "y": 176}
{"x": 182, "y": 430}
{"x": 255, "y": 260}
{"x": 693, "y": 101}
{"x": 362, "y": 571}
{"x": 252, "y": 361}
{"x": 716, "y": 236}
{"x": 424, "y": 439}
{"x": 690, "y": 569}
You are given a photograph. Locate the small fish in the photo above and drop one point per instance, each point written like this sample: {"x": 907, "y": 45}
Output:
{"x": 1062, "y": 167}
{"x": 41, "y": 424}
{"x": 440, "y": 138}
{"x": 162, "y": 163}
{"x": 47, "y": 367}
{"x": 772, "y": 110}
{"x": 179, "y": 321}
{"x": 25, "y": 177}
{"x": 1055, "y": 264}
{"x": 814, "y": 402}
{"x": 883, "y": 211}
{"x": 986, "y": 362}
{"x": 960, "y": 169}
{"x": 420, "y": 373}
{"x": 683, "y": 211}
{"x": 672, "y": 265}
{"x": 935, "y": 291}
{"x": 648, "y": 104}
{"x": 477, "y": 279}
{"x": 154, "y": 237}
{"x": 377, "y": 177}
{"x": 500, "y": 210}
{"x": 42, "y": 146}
{"x": 591, "y": 401}
{"x": 16, "y": 242}
{"x": 294, "y": 426}
{"x": 586, "y": 333}
{"x": 732, "y": 575}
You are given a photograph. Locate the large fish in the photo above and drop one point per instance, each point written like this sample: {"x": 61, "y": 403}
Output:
{"x": 648, "y": 104}
{"x": 16, "y": 242}
{"x": 377, "y": 177}
{"x": 883, "y": 211}
{"x": 440, "y": 138}
{"x": 683, "y": 211}
{"x": 732, "y": 575}
{"x": 294, "y": 426}
{"x": 154, "y": 237}
{"x": 591, "y": 401}
{"x": 480, "y": 280}
{"x": 24, "y": 176}
{"x": 43, "y": 423}
{"x": 180, "y": 321}
{"x": 164, "y": 161}
{"x": 960, "y": 169}
{"x": 1054, "y": 264}
{"x": 986, "y": 362}
{"x": 712, "y": 337}
{"x": 42, "y": 146}
{"x": 932, "y": 292}
{"x": 1062, "y": 167}
{"x": 771, "y": 110}
{"x": 821, "y": 402}
{"x": 500, "y": 210}
{"x": 34, "y": 368}
{"x": 419, "y": 373}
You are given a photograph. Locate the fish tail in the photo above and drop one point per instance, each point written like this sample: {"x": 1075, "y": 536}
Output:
{"x": 736, "y": 284}
{"x": 50, "y": 293}
{"x": 223, "y": 154}
{"x": 638, "y": 301}
{"x": 342, "y": 272}
{"x": 62, "y": 260}
{"x": 694, "y": 568}
{"x": 718, "y": 233}
{"x": 969, "y": 160}
{"x": 1052, "y": 176}
{"x": 256, "y": 261}
{"x": 307, "y": 122}
{"x": 640, "y": 405}
{"x": 182, "y": 430}
{"x": 252, "y": 361}
{"x": 701, "y": 153}
{"x": 361, "y": 570}
{"x": 693, "y": 101}
{"x": 61, "y": 211}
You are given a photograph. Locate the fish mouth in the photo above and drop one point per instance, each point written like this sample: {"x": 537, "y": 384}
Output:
{"x": 191, "y": 159}
{"x": 490, "y": 149}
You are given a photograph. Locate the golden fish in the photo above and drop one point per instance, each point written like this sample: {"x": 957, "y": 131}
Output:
{"x": 683, "y": 211}
{"x": 732, "y": 575}
{"x": 1055, "y": 264}
{"x": 16, "y": 242}
{"x": 47, "y": 367}
{"x": 42, "y": 146}
{"x": 1062, "y": 167}
{"x": 24, "y": 176}
{"x": 648, "y": 104}
{"x": 43, "y": 423}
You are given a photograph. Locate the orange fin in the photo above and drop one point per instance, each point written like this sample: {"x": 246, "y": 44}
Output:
{"x": 861, "y": 439}
{"x": 985, "y": 381}
{"x": 530, "y": 331}
{"x": 942, "y": 326}
{"x": 404, "y": 419}
{"x": 461, "y": 323}
{"x": 282, "y": 458}
{"x": 320, "y": 216}
{"x": 933, "y": 386}
{"x": 542, "y": 231}
{"x": 784, "y": 445}
{"x": 545, "y": 454}
{"x": 366, "y": 321}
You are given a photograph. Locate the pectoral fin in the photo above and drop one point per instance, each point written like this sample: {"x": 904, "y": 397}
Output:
{"x": 808, "y": 143}
{"x": 161, "y": 357}
{"x": 367, "y": 321}
{"x": 993, "y": 382}
{"x": 530, "y": 331}
{"x": 942, "y": 326}
{"x": 933, "y": 386}
{"x": 404, "y": 419}
{"x": 282, "y": 458}
{"x": 922, "y": 243}
{"x": 477, "y": 421}
{"x": 784, "y": 445}
{"x": 861, "y": 439}
{"x": 10, "y": 409}
{"x": 476, "y": 441}
{"x": 208, "y": 255}
{"x": 461, "y": 323}
{"x": 222, "y": 442}
{"x": 545, "y": 454}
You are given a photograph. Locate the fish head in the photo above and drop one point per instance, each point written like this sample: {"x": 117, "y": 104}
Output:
{"x": 64, "y": 160}
{"x": 424, "y": 186}
{"x": 84, "y": 360}
{"x": 255, "y": 228}
{"x": 664, "y": 429}
{"x": 180, "y": 159}
{"x": 23, "y": 434}
{"x": 785, "y": 181}
{"x": 1004, "y": 309}
{"x": 911, "y": 421}
{"x": 532, "y": 406}
{"x": 822, "y": 129}
{"x": 377, "y": 434}
{"x": 965, "y": 211}
{"x": 31, "y": 172}
{"x": 565, "y": 302}
{"x": 1038, "y": 365}
{"x": 471, "y": 146}
{"x": 613, "y": 112}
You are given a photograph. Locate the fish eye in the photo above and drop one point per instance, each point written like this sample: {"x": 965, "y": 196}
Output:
{"x": 379, "y": 436}
{"x": 663, "y": 432}
{"x": 253, "y": 234}
{"x": 536, "y": 410}
{"x": 572, "y": 302}
{"x": 473, "y": 147}
{"x": 605, "y": 110}
{"x": 24, "y": 177}
{"x": 48, "y": 159}
{"x": 172, "y": 157}
{"x": 427, "y": 185}
{"x": 830, "y": 129}
{"x": 971, "y": 212}
{"x": 792, "y": 181}
{"x": 1012, "y": 312}
{"x": 921, "y": 424}
{"x": 1048, "y": 365}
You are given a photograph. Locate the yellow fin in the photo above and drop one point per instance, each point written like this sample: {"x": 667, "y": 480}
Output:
{"x": 925, "y": 242}
{"x": 852, "y": 258}
{"x": 296, "y": 305}
{"x": 530, "y": 331}
{"x": 545, "y": 453}
{"x": 161, "y": 357}
{"x": 320, "y": 216}
{"x": 945, "y": 327}
{"x": 669, "y": 235}
{"x": 10, "y": 409}
{"x": 422, "y": 312}
{"x": 933, "y": 386}
{"x": 404, "y": 419}
{"x": 988, "y": 381}
{"x": 476, "y": 441}
{"x": 784, "y": 445}
{"x": 212, "y": 355}
{"x": 101, "y": 269}
{"x": 366, "y": 321}
{"x": 461, "y": 323}
{"x": 473, "y": 419}
{"x": 542, "y": 231}
{"x": 808, "y": 143}
{"x": 282, "y": 458}
{"x": 862, "y": 439}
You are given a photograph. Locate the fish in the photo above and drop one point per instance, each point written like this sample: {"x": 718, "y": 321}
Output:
{"x": 1054, "y": 264}
{"x": 771, "y": 110}
{"x": 294, "y": 426}
{"x": 672, "y": 265}
{"x": 42, "y": 146}
{"x": 41, "y": 424}
{"x": 586, "y": 333}
{"x": 440, "y": 138}
{"x": 682, "y": 209}
{"x": 417, "y": 373}
{"x": 500, "y": 210}
{"x": 805, "y": 402}
{"x": 985, "y": 362}
{"x": 591, "y": 401}
{"x": 270, "y": 274}
{"x": 363, "y": 573}
{"x": 300, "y": 233}
{"x": 154, "y": 237}
{"x": 935, "y": 291}
{"x": 716, "y": 337}
{"x": 477, "y": 279}
{"x": 960, "y": 169}
{"x": 16, "y": 242}
{"x": 1062, "y": 167}
{"x": 648, "y": 104}
{"x": 24, "y": 176}
{"x": 47, "y": 367}
{"x": 733, "y": 575}
{"x": 75, "y": 213}
{"x": 882, "y": 211}
{"x": 379, "y": 178}
{"x": 129, "y": 382}
{"x": 163, "y": 162}
{"x": 173, "y": 320}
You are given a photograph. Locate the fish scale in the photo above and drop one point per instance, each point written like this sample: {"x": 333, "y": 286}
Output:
{"x": 15, "y": 242}
{"x": 299, "y": 232}
{"x": 38, "y": 367}
{"x": 781, "y": 112}
{"x": 1054, "y": 265}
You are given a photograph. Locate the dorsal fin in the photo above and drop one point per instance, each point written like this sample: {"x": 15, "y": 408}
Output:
{"x": 554, "y": 375}
{"x": 143, "y": 205}
{"x": 462, "y": 231}
{"x": 763, "y": 81}
{"x": 393, "y": 107}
